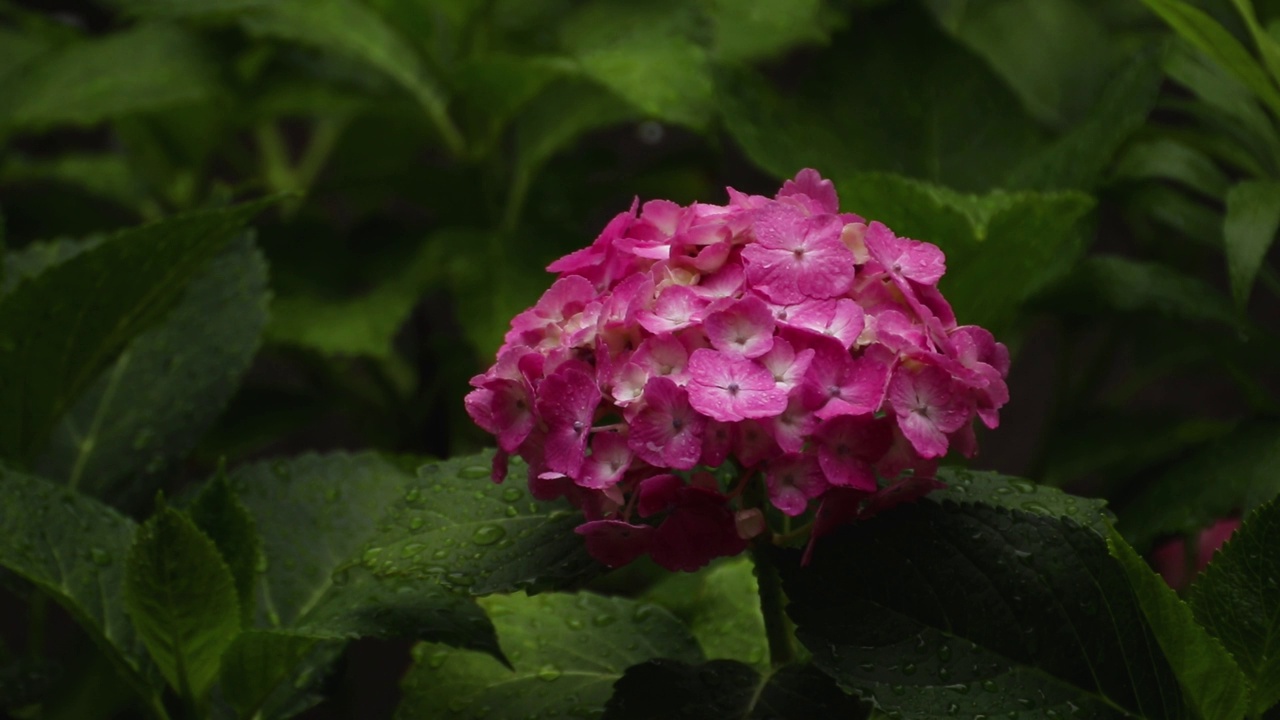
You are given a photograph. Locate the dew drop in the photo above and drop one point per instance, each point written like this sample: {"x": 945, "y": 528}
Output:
{"x": 512, "y": 494}
{"x": 603, "y": 619}
{"x": 440, "y": 554}
{"x": 474, "y": 472}
{"x": 370, "y": 557}
{"x": 412, "y": 495}
{"x": 1022, "y": 486}
{"x": 573, "y": 623}
{"x": 990, "y": 685}
{"x": 100, "y": 557}
{"x": 412, "y": 549}
{"x": 909, "y": 669}
{"x": 511, "y": 511}
{"x": 549, "y": 673}
{"x": 417, "y": 522}
{"x": 488, "y": 534}
{"x": 437, "y": 658}
{"x": 1036, "y": 507}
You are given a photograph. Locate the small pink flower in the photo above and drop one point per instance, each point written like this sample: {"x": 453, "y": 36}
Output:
{"x": 796, "y": 257}
{"x": 728, "y": 388}
{"x": 812, "y": 192}
{"x": 848, "y": 447}
{"x": 837, "y": 384}
{"x": 677, "y": 307}
{"x": 567, "y": 403}
{"x": 904, "y": 259}
{"x": 610, "y": 457}
{"x": 793, "y": 480}
{"x": 667, "y": 432}
{"x": 841, "y": 319}
{"x": 744, "y": 328}
{"x": 925, "y": 400}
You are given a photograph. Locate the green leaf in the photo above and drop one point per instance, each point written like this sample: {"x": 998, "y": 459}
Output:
{"x": 1210, "y": 38}
{"x": 1054, "y": 53}
{"x": 1210, "y": 678}
{"x": 1167, "y": 159}
{"x": 256, "y": 664}
{"x": 220, "y": 515}
{"x": 673, "y": 690}
{"x": 1105, "y": 284}
{"x": 457, "y": 527}
{"x": 145, "y": 68}
{"x": 493, "y": 88}
{"x": 53, "y": 345}
{"x": 721, "y": 606}
{"x": 344, "y": 27}
{"x": 645, "y": 54}
{"x": 1267, "y": 45}
{"x": 1080, "y": 157}
{"x": 567, "y": 652}
{"x": 1113, "y": 445}
{"x": 1024, "y": 239}
{"x": 1253, "y": 216}
{"x": 363, "y": 325}
{"x": 1238, "y": 599}
{"x": 182, "y": 599}
{"x": 752, "y": 30}
{"x": 315, "y": 514}
{"x": 106, "y": 175}
{"x": 1013, "y": 493}
{"x": 1046, "y": 622}
{"x": 1222, "y": 94}
{"x": 169, "y": 385}
{"x": 73, "y": 548}
{"x": 905, "y": 99}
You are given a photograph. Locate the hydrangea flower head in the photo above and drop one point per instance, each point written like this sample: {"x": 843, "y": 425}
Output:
{"x": 698, "y": 372}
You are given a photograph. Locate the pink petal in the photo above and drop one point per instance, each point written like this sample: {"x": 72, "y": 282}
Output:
{"x": 609, "y": 460}
{"x": 729, "y": 388}
{"x": 792, "y": 481}
{"x": 745, "y": 328}
{"x": 615, "y": 543}
{"x": 667, "y": 432}
{"x": 699, "y": 529}
{"x": 677, "y": 306}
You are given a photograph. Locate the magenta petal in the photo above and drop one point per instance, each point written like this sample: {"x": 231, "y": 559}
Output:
{"x": 727, "y": 388}
{"x": 699, "y": 529}
{"x": 667, "y": 432}
{"x": 615, "y": 543}
{"x": 744, "y": 328}
{"x": 792, "y": 481}
{"x": 657, "y": 494}
{"x": 609, "y": 460}
{"x": 567, "y": 402}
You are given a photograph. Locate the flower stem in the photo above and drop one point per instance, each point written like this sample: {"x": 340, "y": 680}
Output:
{"x": 777, "y": 627}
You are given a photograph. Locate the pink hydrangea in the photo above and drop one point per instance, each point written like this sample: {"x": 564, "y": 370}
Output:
{"x": 797, "y": 350}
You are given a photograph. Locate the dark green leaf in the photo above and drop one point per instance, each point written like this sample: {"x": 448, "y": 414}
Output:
{"x": 761, "y": 29}
{"x": 457, "y": 527}
{"x": 141, "y": 69}
{"x": 1209, "y": 676}
{"x": 1106, "y": 283}
{"x": 494, "y": 87}
{"x": 221, "y": 516}
{"x": 1253, "y": 216}
{"x": 723, "y": 689}
{"x": 1024, "y": 239}
{"x": 53, "y": 345}
{"x": 1210, "y": 38}
{"x": 1167, "y": 159}
{"x": 315, "y": 514}
{"x": 107, "y": 176}
{"x": 1054, "y": 53}
{"x": 905, "y": 99}
{"x": 1222, "y": 94}
{"x": 182, "y": 599}
{"x": 1012, "y": 493}
{"x": 1046, "y": 622}
{"x": 1114, "y": 445}
{"x": 17, "y": 49}
{"x": 1238, "y": 600}
{"x": 1080, "y": 156}
{"x": 24, "y": 682}
{"x": 645, "y": 53}
{"x": 169, "y": 385}
{"x": 721, "y": 606}
{"x": 556, "y": 118}
{"x": 73, "y": 548}
{"x": 567, "y": 652}
{"x": 256, "y": 664}
{"x": 1267, "y": 46}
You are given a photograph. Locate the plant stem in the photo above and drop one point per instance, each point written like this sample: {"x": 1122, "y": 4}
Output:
{"x": 777, "y": 627}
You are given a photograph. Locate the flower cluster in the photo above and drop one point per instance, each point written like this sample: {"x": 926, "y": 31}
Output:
{"x": 803, "y": 344}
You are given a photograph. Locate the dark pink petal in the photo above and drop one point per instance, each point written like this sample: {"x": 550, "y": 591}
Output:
{"x": 717, "y": 441}
{"x": 785, "y": 364}
{"x": 663, "y": 356}
{"x": 837, "y": 384}
{"x": 753, "y": 443}
{"x": 797, "y": 257}
{"x": 905, "y": 259}
{"x": 591, "y": 255}
{"x": 512, "y": 411}
{"x": 745, "y": 328}
{"x": 567, "y": 403}
{"x": 848, "y": 448}
{"x": 810, "y": 185}
{"x": 842, "y": 319}
{"x": 902, "y": 457}
{"x": 906, "y": 490}
{"x": 699, "y": 529}
{"x": 615, "y": 543}
{"x": 792, "y": 427}
{"x": 1169, "y": 558}
{"x": 657, "y": 494}
{"x": 610, "y": 457}
{"x": 793, "y": 480}
{"x": 667, "y": 432}
{"x": 928, "y": 407}
{"x": 677, "y": 306}
{"x": 729, "y": 388}
{"x": 1212, "y": 538}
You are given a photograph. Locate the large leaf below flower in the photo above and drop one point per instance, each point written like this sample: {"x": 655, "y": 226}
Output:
{"x": 931, "y": 610}
{"x": 1238, "y": 600}
{"x": 567, "y": 651}
{"x": 969, "y": 486}
{"x": 727, "y": 690}
{"x": 721, "y": 605}
{"x": 454, "y": 525}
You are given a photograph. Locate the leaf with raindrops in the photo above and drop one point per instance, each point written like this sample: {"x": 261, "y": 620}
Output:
{"x": 456, "y": 526}
{"x": 1014, "y": 493}
{"x": 566, "y": 652}
{"x": 153, "y": 404}
{"x": 73, "y": 548}
{"x": 728, "y": 690}
{"x": 933, "y": 610}
{"x": 1238, "y": 600}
